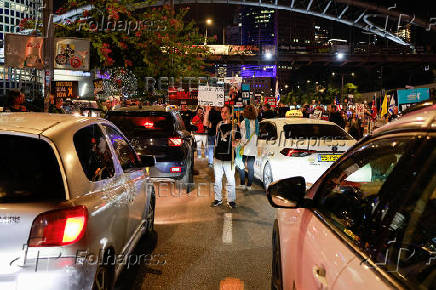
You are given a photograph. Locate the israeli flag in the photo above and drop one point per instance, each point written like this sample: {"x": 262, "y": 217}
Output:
{"x": 392, "y": 105}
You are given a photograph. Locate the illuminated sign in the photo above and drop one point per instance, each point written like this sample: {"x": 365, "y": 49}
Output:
{"x": 258, "y": 71}
{"x": 65, "y": 89}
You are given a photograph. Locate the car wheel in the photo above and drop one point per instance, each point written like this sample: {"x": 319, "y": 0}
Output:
{"x": 150, "y": 214}
{"x": 267, "y": 176}
{"x": 276, "y": 279}
{"x": 104, "y": 278}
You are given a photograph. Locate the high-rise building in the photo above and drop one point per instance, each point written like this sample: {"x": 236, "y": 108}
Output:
{"x": 11, "y": 13}
{"x": 258, "y": 26}
{"x": 322, "y": 35}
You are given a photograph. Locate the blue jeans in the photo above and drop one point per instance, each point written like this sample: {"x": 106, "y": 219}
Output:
{"x": 250, "y": 169}
{"x": 210, "y": 148}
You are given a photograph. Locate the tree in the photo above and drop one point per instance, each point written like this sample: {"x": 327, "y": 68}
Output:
{"x": 152, "y": 42}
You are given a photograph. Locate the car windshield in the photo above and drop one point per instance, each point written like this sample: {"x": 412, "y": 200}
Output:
{"x": 29, "y": 171}
{"x": 297, "y": 131}
{"x": 143, "y": 123}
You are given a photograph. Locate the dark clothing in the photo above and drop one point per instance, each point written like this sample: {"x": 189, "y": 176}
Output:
{"x": 336, "y": 117}
{"x": 187, "y": 117}
{"x": 223, "y": 143}
{"x": 355, "y": 129}
{"x": 214, "y": 119}
{"x": 54, "y": 110}
{"x": 250, "y": 168}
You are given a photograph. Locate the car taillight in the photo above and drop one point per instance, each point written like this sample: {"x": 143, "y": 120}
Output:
{"x": 175, "y": 142}
{"x": 58, "y": 227}
{"x": 289, "y": 152}
{"x": 148, "y": 125}
{"x": 176, "y": 169}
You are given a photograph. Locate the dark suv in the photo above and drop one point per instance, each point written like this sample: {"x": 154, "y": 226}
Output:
{"x": 154, "y": 131}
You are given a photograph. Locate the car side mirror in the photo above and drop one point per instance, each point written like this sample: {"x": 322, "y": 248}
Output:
{"x": 147, "y": 161}
{"x": 287, "y": 193}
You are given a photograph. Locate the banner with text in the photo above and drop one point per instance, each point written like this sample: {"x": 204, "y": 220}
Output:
{"x": 211, "y": 96}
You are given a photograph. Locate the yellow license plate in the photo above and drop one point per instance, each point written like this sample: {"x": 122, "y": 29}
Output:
{"x": 328, "y": 157}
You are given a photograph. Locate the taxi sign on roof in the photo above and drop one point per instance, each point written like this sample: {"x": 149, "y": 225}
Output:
{"x": 294, "y": 114}
{"x": 170, "y": 108}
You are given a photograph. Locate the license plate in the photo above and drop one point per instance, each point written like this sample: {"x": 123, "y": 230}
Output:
{"x": 328, "y": 157}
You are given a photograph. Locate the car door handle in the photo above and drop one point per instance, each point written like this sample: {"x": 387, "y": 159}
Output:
{"x": 319, "y": 273}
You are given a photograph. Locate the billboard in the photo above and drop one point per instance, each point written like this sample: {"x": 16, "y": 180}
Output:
{"x": 72, "y": 54}
{"x": 65, "y": 89}
{"x": 413, "y": 95}
{"x": 24, "y": 51}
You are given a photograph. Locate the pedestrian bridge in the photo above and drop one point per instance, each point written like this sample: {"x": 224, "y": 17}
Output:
{"x": 385, "y": 22}
{"x": 382, "y": 21}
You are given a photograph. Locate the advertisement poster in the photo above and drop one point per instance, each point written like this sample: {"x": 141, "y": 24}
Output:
{"x": 413, "y": 95}
{"x": 65, "y": 89}
{"x": 232, "y": 90}
{"x": 24, "y": 51}
{"x": 72, "y": 54}
{"x": 211, "y": 96}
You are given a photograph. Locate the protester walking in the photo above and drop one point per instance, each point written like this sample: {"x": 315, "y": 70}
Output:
{"x": 200, "y": 135}
{"x": 211, "y": 119}
{"x": 223, "y": 159}
{"x": 249, "y": 135}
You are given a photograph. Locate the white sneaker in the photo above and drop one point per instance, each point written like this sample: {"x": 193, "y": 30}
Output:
{"x": 248, "y": 188}
{"x": 242, "y": 187}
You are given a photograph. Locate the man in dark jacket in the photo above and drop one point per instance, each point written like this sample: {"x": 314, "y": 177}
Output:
{"x": 336, "y": 117}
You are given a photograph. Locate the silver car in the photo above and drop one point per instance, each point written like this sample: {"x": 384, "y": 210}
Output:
{"x": 75, "y": 198}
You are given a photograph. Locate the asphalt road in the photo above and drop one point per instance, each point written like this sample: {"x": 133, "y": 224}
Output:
{"x": 199, "y": 247}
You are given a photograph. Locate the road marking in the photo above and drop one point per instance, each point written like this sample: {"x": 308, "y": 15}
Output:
{"x": 227, "y": 229}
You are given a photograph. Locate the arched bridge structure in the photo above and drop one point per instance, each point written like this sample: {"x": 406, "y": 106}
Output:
{"x": 382, "y": 21}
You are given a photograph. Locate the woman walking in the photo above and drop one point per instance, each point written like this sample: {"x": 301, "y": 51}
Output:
{"x": 249, "y": 134}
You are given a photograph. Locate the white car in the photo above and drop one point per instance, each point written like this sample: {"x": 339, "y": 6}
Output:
{"x": 290, "y": 147}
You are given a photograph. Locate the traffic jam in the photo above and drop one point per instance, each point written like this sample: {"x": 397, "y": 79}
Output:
{"x": 79, "y": 193}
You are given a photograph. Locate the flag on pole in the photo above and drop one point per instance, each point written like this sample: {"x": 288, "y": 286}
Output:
{"x": 277, "y": 93}
{"x": 384, "y": 106}
{"x": 374, "y": 109}
{"x": 392, "y": 105}
{"x": 338, "y": 105}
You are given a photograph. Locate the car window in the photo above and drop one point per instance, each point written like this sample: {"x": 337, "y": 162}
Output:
{"x": 29, "y": 171}
{"x": 307, "y": 131}
{"x": 405, "y": 245}
{"x": 143, "y": 123}
{"x": 94, "y": 153}
{"x": 126, "y": 155}
{"x": 352, "y": 190}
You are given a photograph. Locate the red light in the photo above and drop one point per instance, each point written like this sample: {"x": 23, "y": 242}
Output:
{"x": 58, "y": 227}
{"x": 148, "y": 124}
{"x": 176, "y": 169}
{"x": 289, "y": 152}
{"x": 175, "y": 142}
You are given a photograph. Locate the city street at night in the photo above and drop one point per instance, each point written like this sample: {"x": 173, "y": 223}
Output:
{"x": 217, "y": 145}
{"x": 203, "y": 247}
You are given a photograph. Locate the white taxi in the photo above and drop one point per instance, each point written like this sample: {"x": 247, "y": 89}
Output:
{"x": 305, "y": 147}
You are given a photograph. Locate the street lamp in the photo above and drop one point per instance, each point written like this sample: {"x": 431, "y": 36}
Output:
{"x": 340, "y": 56}
{"x": 208, "y": 23}
{"x": 268, "y": 55}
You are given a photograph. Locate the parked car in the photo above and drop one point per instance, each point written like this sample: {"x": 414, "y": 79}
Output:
{"x": 161, "y": 133}
{"x": 369, "y": 221}
{"x": 74, "y": 197}
{"x": 290, "y": 147}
